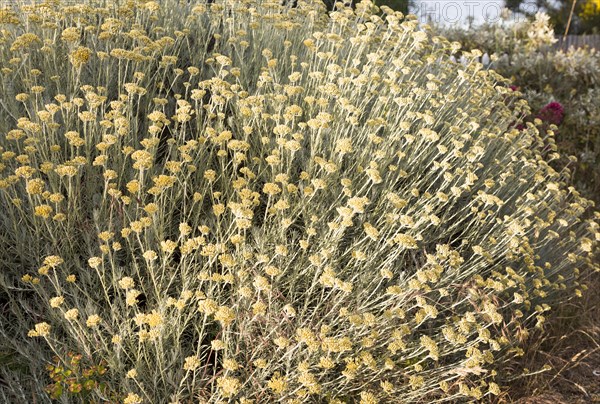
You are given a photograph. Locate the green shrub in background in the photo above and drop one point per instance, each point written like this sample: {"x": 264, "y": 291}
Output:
{"x": 523, "y": 52}
{"x": 504, "y": 36}
{"x": 250, "y": 202}
{"x": 578, "y": 17}
{"x": 403, "y": 6}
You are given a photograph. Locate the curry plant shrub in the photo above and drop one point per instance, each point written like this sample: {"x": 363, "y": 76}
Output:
{"x": 244, "y": 201}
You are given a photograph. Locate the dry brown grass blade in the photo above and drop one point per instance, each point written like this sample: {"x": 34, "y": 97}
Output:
{"x": 571, "y": 346}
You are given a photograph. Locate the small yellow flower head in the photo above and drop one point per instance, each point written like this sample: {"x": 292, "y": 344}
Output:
{"x": 70, "y": 34}
{"x": 80, "y": 56}
{"x": 153, "y": 319}
{"x": 53, "y": 261}
{"x": 586, "y": 245}
{"x": 150, "y": 256}
{"x": 22, "y": 97}
{"x": 281, "y": 342}
{"x": 95, "y": 262}
{"x": 344, "y": 146}
{"x": 208, "y": 306}
{"x": 35, "y": 186}
{"x": 168, "y": 246}
{"x": 164, "y": 181}
{"x": 133, "y": 398}
{"x": 261, "y": 283}
{"x": 272, "y": 270}
{"x": 225, "y": 315}
{"x": 281, "y": 250}
{"x": 93, "y": 321}
{"x": 151, "y": 208}
{"x": 56, "y": 198}
{"x": 126, "y": 283}
{"x": 374, "y": 175}
{"x": 191, "y": 363}
{"x": 217, "y": 344}
{"x": 24, "y": 41}
{"x": 131, "y": 374}
{"x": 494, "y": 389}
{"x": 57, "y": 301}
{"x": 40, "y": 330}
{"x": 368, "y": 398}
{"x": 43, "y": 211}
{"x": 59, "y": 217}
{"x": 72, "y": 314}
{"x": 223, "y": 60}
{"x": 230, "y": 364}
{"x": 358, "y": 204}
{"x": 110, "y": 175}
{"x": 278, "y": 383}
{"x": 133, "y": 186}
{"x": 44, "y": 270}
{"x": 143, "y": 159}
{"x": 271, "y": 189}
{"x": 105, "y": 235}
{"x": 218, "y": 209}
{"x": 387, "y": 387}
{"x": 416, "y": 381}
{"x": 210, "y": 175}
{"x": 229, "y": 386}
{"x": 259, "y": 308}
{"x": 137, "y": 226}
{"x": 152, "y": 6}
{"x": 260, "y": 363}
{"x": 131, "y": 297}
{"x": 185, "y": 229}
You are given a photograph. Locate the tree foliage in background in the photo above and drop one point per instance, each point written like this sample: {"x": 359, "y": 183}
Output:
{"x": 591, "y": 15}
{"x": 397, "y": 5}
{"x": 586, "y": 17}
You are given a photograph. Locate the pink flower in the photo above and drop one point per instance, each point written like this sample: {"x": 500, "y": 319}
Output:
{"x": 552, "y": 113}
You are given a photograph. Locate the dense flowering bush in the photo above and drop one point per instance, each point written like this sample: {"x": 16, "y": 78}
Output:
{"x": 249, "y": 202}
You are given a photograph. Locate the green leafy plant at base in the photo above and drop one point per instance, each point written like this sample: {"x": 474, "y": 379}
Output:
{"x": 72, "y": 378}
{"x": 244, "y": 201}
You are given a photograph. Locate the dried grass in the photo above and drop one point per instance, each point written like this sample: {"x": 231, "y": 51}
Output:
{"x": 570, "y": 345}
